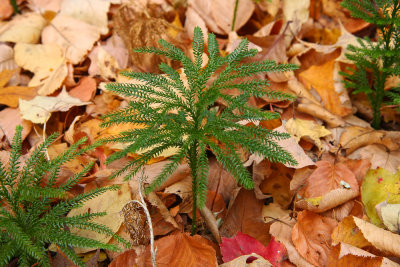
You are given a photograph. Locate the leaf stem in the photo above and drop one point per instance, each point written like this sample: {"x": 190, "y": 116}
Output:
{"x": 234, "y": 15}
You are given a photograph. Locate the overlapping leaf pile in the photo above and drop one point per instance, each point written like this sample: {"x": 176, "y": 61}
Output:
{"x": 340, "y": 206}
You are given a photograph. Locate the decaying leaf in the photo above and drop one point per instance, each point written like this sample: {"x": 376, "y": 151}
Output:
{"x": 39, "y": 109}
{"x": 9, "y": 119}
{"x": 250, "y": 260}
{"x": 389, "y": 215}
{"x": 7, "y": 58}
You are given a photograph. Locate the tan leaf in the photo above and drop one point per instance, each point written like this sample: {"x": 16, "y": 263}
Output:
{"x": 242, "y": 261}
{"x": 347, "y": 232}
{"x": 39, "y": 109}
{"x": 320, "y": 112}
{"x": 273, "y": 211}
{"x": 204, "y": 8}
{"x": 294, "y": 149}
{"x": 9, "y": 119}
{"x": 75, "y": 37}
{"x": 193, "y": 19}
{"x": 24, "y": 28}
{"x": 111, "y": 202}
{"x": 222, "y": 13}
{"x": 93, "y": 12}
{"x": 220, "y": 180}
{"x": 390, "y": 216}
{"x": 379, "y": 157}
{"x": 48, "y": 5}
{"x": 312, "y": 237}
{"x": 46, "y": 62}
{"x": 248, "y": 221}
{"x": 297, "y": 12}
{"x": 7, "y": 58}
{"x": 282, "y": 232}
{"x": 344, "y": 255}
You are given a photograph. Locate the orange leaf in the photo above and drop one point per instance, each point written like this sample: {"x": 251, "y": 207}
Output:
{"x": 320, "y": 78}
{"x": 311, "y": 236}
{"x": 348, "y": 232}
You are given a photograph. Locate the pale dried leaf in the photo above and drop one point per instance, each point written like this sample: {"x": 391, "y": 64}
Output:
{"x": 9, "y": 119}
{"x": 75, "y": 37}
{"x": 242, "y": 261}
{"x": 39, "y": 109}
{"x": 7, "y": 58}
{"x": 24, "y": 28}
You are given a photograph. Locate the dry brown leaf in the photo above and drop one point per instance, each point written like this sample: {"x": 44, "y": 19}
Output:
{"x": 355, "y": 137}
{"x": 242, "y": 261}
{"x": 75, "y": 37}
{"x": 39, "y": 109}
{"x": 273, "y": 211}
{"x": 311, "y": 236}
{"x": 46, "y": 62}
{"x": 193, "y": 19}
{"x": 282, "y": 232}
{"x": 297, "y": 12}
{"x": 220, "y": 180}
{"x": 9, "y": 119}
{"x": 344, "y": 255}
{"x": 378, "y": 156}
{"x": 93, "y": 12}
{"x": 320, "y": 112}
{"x": 156, "y": 201}
{"x": 6, "y": 10}
{"x": 111, "y": 202}
{"x": 24, "y": 28}
{"x": 182, "y": 250}
{"x": 203, "y": 8}
{"x": 244, "y": 219}
{"x": 340, "y": 212}
{"x": 85, "y": 90}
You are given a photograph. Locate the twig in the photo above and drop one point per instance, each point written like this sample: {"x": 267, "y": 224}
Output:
{"x": 234, "y": 15}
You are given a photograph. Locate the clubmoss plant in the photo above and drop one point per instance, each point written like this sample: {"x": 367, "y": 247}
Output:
{"x": 33, "y": 209}
{"x": 184, "y": 115}
{"x": 375, "y": 62}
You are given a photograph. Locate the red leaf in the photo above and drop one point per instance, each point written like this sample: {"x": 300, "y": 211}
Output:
{"x": 243, "y": 244}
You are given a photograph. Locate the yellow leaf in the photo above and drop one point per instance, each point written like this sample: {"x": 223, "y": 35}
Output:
{"x": 379, "y": 185}
{"x": 111, "y": 202}
{"x": 10, "y": 95}
{"x": 309, "y": 130}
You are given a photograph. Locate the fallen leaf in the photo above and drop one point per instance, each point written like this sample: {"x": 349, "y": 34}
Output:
{"x": 46, "y": 62}
{"x": 220, "y": 180}
{"x": 193, "y": 19}
{"x": 321, "y": 78}
{"x": 355, "y": 137}
{"x": 344, "y": 255}
{"x": 39, "y": 109}
{"x": 222, "y": 13}
{"x": 85, "y": 90}
{"x": 111, "y": 202}
{"x": 272, "y": 212}
{"x": 273, "y": 179}
{"x": 251, "y": 260}
{"x": 379, "y": 185}
{"x": 11, "y": 94}
{"x": 48, "y": 5}
{"x": 7, "y": 58}
{"x": 75, "y": 37}
{"x": 320, "y": 112}
{"x": 347, "y": 232}
{"x": 294, "y": 149}
{"x": 390, "y": 216}
{"x": 248, "y": 221}
{"x": 93, "y": 12}
{"x": 282, "y": 231}
{"x": 241, "y": 244}
{"x": 182, "y": 250}
{"x": 307, "y": 129}
{"x": 311, "y": 236}
{"x": 25, "y": 28}
{"x": 6, "y": 10}
{"x": 9, "y": 119}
